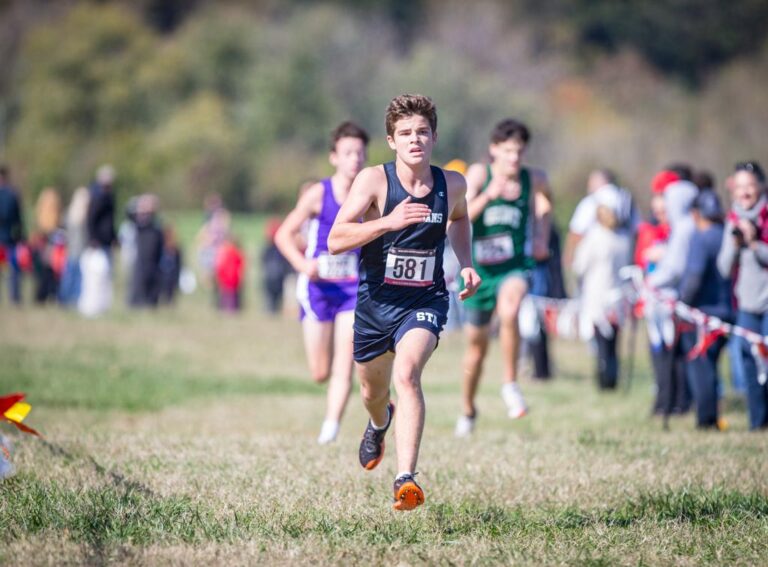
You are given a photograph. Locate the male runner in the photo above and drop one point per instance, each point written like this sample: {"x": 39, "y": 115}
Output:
{"x": 327, "y": 285}
{"x": 505, "y": 238}
{"x": 407, "y": 206}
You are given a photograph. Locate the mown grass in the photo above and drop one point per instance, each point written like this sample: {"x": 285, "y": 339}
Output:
{"x": 108, "y": 516}
{"x": 185, "y": 437}
{"x": 106, "y": 377}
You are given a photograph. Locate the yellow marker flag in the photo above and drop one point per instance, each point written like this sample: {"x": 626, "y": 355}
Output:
{"x": 18, "y": 412}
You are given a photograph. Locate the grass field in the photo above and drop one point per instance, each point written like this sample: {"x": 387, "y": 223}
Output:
{"x": 188, "y": 437}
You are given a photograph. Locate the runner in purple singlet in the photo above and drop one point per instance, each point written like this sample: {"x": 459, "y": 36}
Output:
{"x": 327, "y": 285}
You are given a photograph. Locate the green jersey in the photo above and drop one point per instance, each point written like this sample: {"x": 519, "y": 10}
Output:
{"x": 501, "y": 233}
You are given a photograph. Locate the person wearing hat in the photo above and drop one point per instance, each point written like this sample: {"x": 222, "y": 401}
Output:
{"x": 704, "y": 288}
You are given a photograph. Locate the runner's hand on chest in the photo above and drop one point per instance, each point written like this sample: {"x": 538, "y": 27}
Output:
{"x": 407, "y": 213}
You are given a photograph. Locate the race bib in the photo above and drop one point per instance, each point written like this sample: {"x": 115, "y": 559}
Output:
{"x": 414, "y": 268}
{"x": 495, "y": 249}
{"x": 341, "y": 267}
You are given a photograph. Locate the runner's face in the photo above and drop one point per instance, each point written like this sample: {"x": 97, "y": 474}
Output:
{"x": 508, "y": 156}
{"x": 413, "y": 140}
{"x": 746, "y": 189}
{"x": 349, "y": 156}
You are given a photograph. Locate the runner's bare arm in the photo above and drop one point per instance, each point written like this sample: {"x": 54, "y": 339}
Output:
{"x": 477, "y": 200}
{"x": 541, "y": 214}
{"x": 307, "y": 207}
{"x": 459, "y": 232}
{"x": 366, "y": 200}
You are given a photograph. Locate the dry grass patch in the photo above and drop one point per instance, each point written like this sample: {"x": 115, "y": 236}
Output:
{"x": 183, "y": 438}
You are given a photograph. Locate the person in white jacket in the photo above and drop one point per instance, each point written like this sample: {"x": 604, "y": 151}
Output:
{"x": 600, "y": 255}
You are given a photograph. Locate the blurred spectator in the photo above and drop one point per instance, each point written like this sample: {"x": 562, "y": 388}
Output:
{"x": 101, "y": 210}
{"x": 585, "y": 215}
{"x": 212, "y": 203}
{"x": 604, "y": 250}
{"x": 744, "y": 254}
{"x": 170, "y": 267}
{"x": 48, "y": 211}
{"x": 274, "y": 269}
{"x": 451, "y": 266}
{"x": 230, "y": 268}
{"x": 77, "y": 238}
{"x": 668, "y": 357}
{"x": 546, "y": 281}
{"x": 683, "y": 170}
{"x": 44, "y": 249}
{"x": 704, "y": 180}
{"x": 652, "y": 236}
{"x": 735, "y": 358}
{"x": 11, "y": 233}
{"x": 149, "y": 251}
{"x": 704, "y": 288}
{"x": 210, "y": 237}
{"x": 678, "y": 198}
{"x": 126, "y": 236}
{"x": 96, "y": 292}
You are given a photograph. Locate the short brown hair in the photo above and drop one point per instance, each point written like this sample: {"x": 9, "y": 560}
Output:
{"x": 347, "y": 129}
{"x": 510, "y": 129}
{"x": 410, "y": 105}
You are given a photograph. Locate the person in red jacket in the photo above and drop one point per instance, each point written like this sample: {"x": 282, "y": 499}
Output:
{"x": 230, "y": 269}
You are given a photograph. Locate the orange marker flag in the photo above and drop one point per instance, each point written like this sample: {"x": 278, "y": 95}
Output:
{"x": 14, "y": 410}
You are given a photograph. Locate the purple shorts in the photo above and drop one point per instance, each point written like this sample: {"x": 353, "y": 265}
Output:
{"x": 322, "y": 301}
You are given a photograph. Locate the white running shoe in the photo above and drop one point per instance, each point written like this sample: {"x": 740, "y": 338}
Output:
{"x": 328, "y": 432}
{"x": 465, "y": 426}
{"x": 513, "y": 398}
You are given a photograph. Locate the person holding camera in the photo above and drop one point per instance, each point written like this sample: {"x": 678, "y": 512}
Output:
{"x": 744, "y": 257}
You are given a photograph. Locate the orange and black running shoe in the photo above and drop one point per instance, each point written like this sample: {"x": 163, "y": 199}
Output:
{"x": 372, "y": 445}
{"x": 408, "y": 494}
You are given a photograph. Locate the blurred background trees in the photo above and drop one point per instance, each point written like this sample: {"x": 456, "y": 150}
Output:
{"x": 191, "y": 97}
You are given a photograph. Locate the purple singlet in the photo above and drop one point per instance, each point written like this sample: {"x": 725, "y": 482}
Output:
{"x": 336, "y": 288}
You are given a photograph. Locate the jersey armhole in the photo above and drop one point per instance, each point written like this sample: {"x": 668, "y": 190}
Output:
{"x": 488, "y": 177}
{"x": 388, "y": 174}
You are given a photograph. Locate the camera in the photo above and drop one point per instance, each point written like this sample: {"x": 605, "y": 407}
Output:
{"x": 739, "y": 235}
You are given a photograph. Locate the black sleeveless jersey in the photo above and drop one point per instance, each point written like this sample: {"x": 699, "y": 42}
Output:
{"x": 404, "y": 268}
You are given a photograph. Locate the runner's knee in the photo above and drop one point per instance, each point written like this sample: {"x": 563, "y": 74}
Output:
{"x": 509, "y": 309}
{"x": 407, "y": 379}
{"x": 477, "y": 339}
{"x": 320, "y": 372}
{"x": 372, "y": 394}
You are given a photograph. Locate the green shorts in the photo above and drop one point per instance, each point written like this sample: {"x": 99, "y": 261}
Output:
{"x": 479, "y": 308}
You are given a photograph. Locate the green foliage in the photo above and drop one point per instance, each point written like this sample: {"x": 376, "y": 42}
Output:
{"x": 238, "y": 98}
{"x": 77, "y": 107}
{"x": 684, "y": 38}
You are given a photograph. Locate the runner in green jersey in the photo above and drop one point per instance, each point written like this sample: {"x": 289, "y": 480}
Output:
{"x": 503, "y": 202}
{"x": 500, "y": 242}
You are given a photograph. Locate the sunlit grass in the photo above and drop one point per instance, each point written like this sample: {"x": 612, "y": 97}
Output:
{"x": 184, "y": 436}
